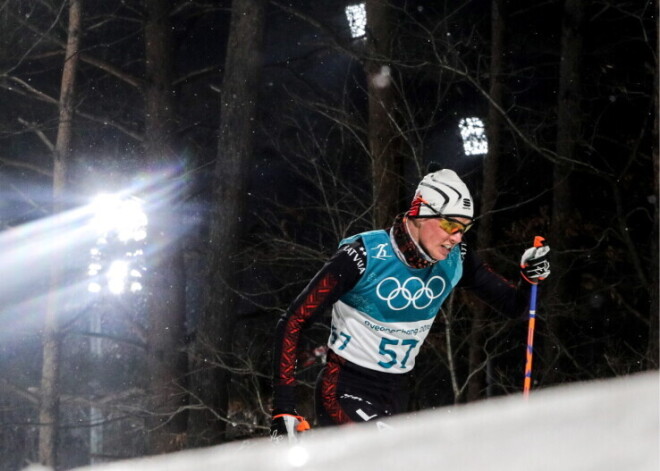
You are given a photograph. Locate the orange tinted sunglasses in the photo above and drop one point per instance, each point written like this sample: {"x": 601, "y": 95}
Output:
{"x": 452, "y": 226}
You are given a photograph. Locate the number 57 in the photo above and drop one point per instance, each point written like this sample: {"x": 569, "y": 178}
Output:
{"x": 392, "y": 354}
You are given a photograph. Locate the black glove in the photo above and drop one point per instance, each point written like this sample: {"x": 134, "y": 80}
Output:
{"x": 534, "y": 264}
{"x": 287, "y": 427}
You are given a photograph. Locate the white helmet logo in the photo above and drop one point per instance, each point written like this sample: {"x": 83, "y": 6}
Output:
{"x": 413, "y": 291}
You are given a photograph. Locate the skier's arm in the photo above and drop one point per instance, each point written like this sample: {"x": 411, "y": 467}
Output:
{"x": 339, "y": 274}
{"x": 499, "y": 293}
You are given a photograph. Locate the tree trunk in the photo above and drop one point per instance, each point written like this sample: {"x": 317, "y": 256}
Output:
{"x": 387, "y": 163}
{"x": 477, "y": 384}
{"x": 568, "y": 134}
{"x": 50, "y": 382}
{"x": 236, "y": 143}
{"x": 653, "y": 347}
{"x": 166, "y": 358}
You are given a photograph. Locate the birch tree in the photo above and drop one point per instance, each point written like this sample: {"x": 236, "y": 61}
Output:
{"x": 50, "y": 382}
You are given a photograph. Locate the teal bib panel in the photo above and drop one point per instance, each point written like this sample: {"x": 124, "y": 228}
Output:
{"x": 391, "y": 291}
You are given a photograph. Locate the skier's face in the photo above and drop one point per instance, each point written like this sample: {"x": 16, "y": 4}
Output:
{"x": 433, "y": 237}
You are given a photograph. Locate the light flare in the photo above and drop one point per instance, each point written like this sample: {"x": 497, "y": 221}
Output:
{"x": 28, "y": 252}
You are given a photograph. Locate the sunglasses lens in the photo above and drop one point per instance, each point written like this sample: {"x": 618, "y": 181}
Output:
{"x": 452, "y": 227}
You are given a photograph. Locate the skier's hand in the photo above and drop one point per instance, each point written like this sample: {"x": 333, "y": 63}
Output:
{"x": 287, "y": 426}
{"x": 534, "y": 264}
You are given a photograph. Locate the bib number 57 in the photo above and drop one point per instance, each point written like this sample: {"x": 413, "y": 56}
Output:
{"x": 404, "y": 346}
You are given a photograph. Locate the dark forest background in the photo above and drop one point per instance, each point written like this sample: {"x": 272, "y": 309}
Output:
{"x": 260, "y": 133}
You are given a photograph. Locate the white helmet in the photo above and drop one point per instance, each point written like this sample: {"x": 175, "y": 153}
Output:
{"x": 442, "y": 193}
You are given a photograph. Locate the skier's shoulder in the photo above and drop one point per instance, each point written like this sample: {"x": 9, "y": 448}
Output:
{"x": 469, "y": 258}
{"x": 350, "y": 259}
{"x": 463, "y": 249}
{"x": 366, "y": 239}
{"x": 352, "y": 250}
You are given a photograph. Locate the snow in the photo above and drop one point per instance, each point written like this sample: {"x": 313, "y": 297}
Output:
{"x": 608, "y": 425}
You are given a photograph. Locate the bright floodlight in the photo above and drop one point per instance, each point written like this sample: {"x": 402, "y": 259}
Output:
{"x": 94, "y": 269}
{"x": 116, "y": 275}
{"x": 125, "y": 217}
{"x": 121, "y": 228}
{"x": 474, "y": 136}
{"x": 357, "y": 19}
{"x": 94, "y": 287}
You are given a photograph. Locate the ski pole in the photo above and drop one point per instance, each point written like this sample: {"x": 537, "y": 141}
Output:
{"x": 538, "y": 242}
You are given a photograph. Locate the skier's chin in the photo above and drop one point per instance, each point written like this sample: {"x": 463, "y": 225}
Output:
{"x": 441, "y": 254}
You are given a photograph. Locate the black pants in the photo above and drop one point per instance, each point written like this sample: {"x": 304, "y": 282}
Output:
{"x": 347, "y": 393}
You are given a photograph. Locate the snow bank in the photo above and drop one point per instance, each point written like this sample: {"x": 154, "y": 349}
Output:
{"x": 600, "y": 426}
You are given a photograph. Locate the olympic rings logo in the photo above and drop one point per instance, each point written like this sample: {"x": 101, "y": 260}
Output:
{"x": 413, "y": 291}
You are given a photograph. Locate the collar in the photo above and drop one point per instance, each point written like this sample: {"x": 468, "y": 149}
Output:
{"x": 407, "y": 248}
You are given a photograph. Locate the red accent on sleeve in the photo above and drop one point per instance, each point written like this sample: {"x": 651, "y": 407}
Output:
{"x": 329, "y": 394}
{"x": 294, "y": 325}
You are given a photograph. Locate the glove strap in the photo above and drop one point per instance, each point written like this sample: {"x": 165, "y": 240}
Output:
{"x": 528, "y": 280}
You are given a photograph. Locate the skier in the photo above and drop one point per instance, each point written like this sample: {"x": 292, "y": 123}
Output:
{"x": 385, "y": 288}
